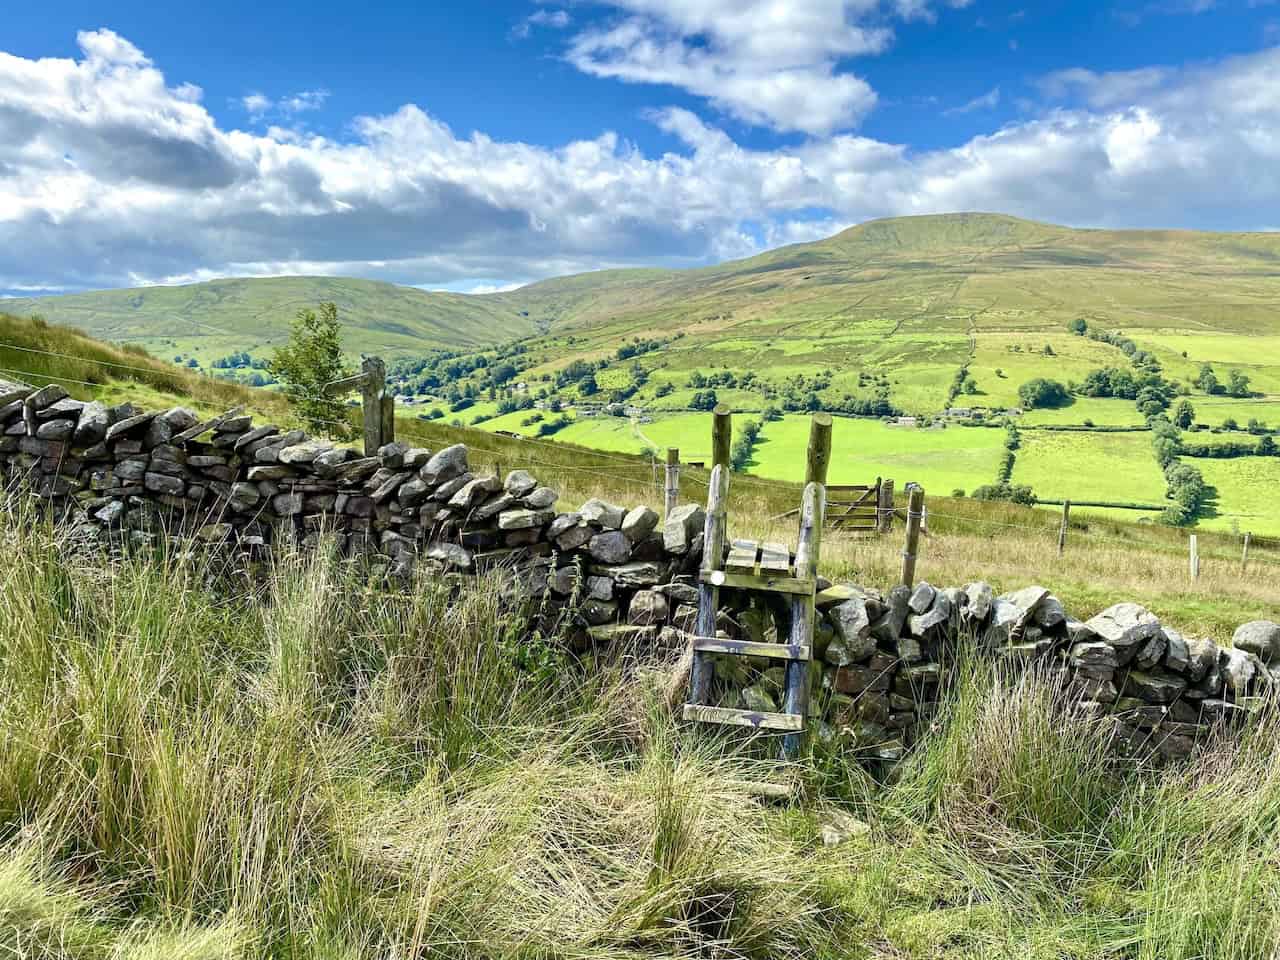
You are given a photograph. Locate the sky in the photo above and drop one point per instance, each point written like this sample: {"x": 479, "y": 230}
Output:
{"x": 477, "y": 146}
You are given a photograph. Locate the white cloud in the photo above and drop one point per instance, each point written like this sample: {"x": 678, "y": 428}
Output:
{"x": 773, "y": 63}
{"x": 259, "y": 105}
{"x": 256, "y": 103}
{"x": 109, "y": 175}
{"x": 987, "y": 101}
{"x": 542, "y": 17}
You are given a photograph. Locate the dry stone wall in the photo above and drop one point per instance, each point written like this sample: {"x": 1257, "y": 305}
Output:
{"x": 612, "y": 576}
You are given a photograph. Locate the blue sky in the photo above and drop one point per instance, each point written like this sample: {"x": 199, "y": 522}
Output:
{"x": 470, "y": 146}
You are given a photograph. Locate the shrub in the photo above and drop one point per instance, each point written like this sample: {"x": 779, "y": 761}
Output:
{"x": 1041, "y": 393}
{"x": 1012, "y": 493}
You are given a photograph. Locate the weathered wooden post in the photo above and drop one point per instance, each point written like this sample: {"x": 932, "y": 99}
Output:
{"x": 885, "y": 507}
{"x": 1062, "y": 531}
{"x": 796, "y": 673}
{"x": 672, "y": 492}
{"x": 819, "y": 453}
{"x": 721, "y": 436}
{"x": 372, "y": 391}
{"x": 1195, "y": 559}
{"x": 713, "y": 534}
{"x": 1244, "y": 557}
{"x": 915, "y": 513}
{"x": 377, "y": 406}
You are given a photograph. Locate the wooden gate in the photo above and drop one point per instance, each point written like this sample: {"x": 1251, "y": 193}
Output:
{"x": 855, "y": 507}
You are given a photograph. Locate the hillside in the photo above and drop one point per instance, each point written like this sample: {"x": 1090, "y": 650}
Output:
{"x": 886, "y": 317}
{"x": 206, "y": 320}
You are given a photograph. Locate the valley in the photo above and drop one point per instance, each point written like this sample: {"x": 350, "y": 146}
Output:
{"x": 906, "y": 317}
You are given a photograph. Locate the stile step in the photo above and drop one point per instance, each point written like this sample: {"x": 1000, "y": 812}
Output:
{"x": 790, "y": 722}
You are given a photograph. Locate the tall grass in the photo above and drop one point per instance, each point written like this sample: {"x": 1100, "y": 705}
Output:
{"x": 298, "y": 765}
{"x": 196, "y": 762}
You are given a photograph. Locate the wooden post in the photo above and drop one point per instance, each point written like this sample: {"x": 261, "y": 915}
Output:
{"x": 388, "y": 418}
{"x": 796, "y": 673}
{"x": 673, "y": 481}
{"x": 372, "y": 390}
{"x": 1062, "y": 531}
{"x": 721, "y": 436}
{"x": 886, "y": 506}
{"x": 1244, "y": 557}
{"x": 713, "y": 534}
{"x": 1195, "y": 558}
{"x": 819, "y": 453}
{"x": 915, "y": 513}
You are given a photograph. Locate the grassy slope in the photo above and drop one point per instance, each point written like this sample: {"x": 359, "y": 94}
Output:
{"x": 212, "y": 319}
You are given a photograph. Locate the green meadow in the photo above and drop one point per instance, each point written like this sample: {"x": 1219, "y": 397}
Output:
{"x": 1112, "y": 467}
{"x": 861, "y": 450}
{"x": 1247, "y": 494}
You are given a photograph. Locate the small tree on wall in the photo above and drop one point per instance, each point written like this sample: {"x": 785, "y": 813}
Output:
{"x": 311, "y": 359}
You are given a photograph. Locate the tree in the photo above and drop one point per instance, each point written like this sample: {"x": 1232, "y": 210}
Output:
{"x": 311, "y": 359}
{"x": 1238, "y": 384}
{"x": 1078, "y": 326}
{"x": 704, "y": 400}
{"x": 1043, "y": 393}
{"x": 1185, "y": 415}
{"x": 1207, "y": 380}
{"x": 1266, "y": 447}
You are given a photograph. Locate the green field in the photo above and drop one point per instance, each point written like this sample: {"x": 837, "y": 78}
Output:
{"x": 861, "y": 450}
{"x": 1247, "y": 494}
{"x": 1112, "y": 467}
{"x": 1103, "y": 413}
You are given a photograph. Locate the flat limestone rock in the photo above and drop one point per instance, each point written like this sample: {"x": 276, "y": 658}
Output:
{"x": 1126, "y": 626}
{"x": 604, "y": 514}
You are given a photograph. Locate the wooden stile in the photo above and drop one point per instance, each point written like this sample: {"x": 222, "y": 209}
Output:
{"x": 767, "y": 569}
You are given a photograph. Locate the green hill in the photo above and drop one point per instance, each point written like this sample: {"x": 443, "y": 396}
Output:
{"x": 207, "y": 320}
{"x": 885, "y": 316}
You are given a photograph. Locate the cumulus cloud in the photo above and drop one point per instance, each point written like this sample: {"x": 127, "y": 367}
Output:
{"x": 767, "y": 62}
{"x": 110, "y": 174}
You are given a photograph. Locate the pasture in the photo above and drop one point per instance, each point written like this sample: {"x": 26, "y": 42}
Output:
{"x": 1248, "y": 494}
{"x": 1112, "y": 467}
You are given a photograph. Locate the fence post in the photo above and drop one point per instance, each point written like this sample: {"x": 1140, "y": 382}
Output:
{"x": 886, "y": 506}
{"x": 388, "y": 418}
{"x": 721, "y": 436}
{"x": 372, "y": 390}
{"x": 673, "y": 480}
{"x": 1195, "y": 559}
{"x": 819, "y": 452}
{"x": 1244, "y": 557}
{"x": 1062, "y": 533}
{"x": 915, "y": 512}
